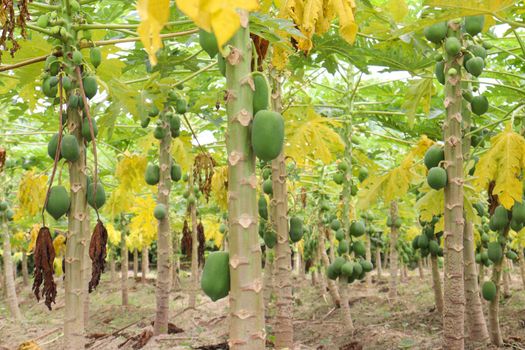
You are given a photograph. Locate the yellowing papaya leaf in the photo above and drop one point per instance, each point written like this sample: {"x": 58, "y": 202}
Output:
{"x": 130, "y": 172}
{"x": 503, "y": 163}
{"x": 211, "y": 231}
{"x": 114, "y": 236}
{"x": 59, "y": 243}
{"x": 218, "y": 16}
{"x": 33, "y": 236}
{"x": 181, "y": 151}
{"x": 143, "y": 225}
{"x": 397, "y": 8}
{"x": 347, "y": 25}
{"x": 154, "y": 14}
{"x": 219, "y": 191}
{"x": 31, "y": 195}
{"x": 419, "y": 93}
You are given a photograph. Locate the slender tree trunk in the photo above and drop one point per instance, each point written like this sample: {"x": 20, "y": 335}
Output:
{"x": 145, "y": 264}
{"x": 332, "y": 286}
{"x": 379, "y": 266}
{"x": 176, "y": 285}
{"x": 506, "y": 278}
{"x": 25, "y": 273}
{"x": 124, "y": 270}
{"x": 392, "y": 293}
{"x": 12, "y": 300}
{"x": 420, "y": 268}
{"x": 194, "y": 251}
{"x": 495, "y": 331}
{"x": 268, "y": 277}
{"x": 475, "y": 320}
{"x": 522, "y": 266}
{"x": 86, "y": 270}
{"x": 135, "y": 263}
{"x": 368, "y": 258}
{"x": 283, "y": 270}
{"x": 75, "y": 288}
{"x": 481, "y": 274}
{"x": 314, "y": 277}
{"x": 436, "y": 284}
{"x": 164, "y": 250}
{"x": 247, "y": 329}
{"x": 2, "y": 279}
{"x": 454, "y": 295}
{"x": 348, "y": 324}
{"x": 113, "y": 273}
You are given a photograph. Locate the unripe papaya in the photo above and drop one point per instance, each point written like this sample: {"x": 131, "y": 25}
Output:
{"x": 358, "y": 270}
{"x": 3, "y": 205}
{"x": 500, "y": 217}
{"x": 474, "y": 24}
{"x": 366, "y": 265}
{"x": 433, "y": 247}
{"x": 357, "y": 228}
{"x": 95, "y": 56}
{"x": 452, "y": 46}
{"x": 363, "y": 174}
{"x": 342, "y": 166}
{"x": 359, "y": 249}
{"x": 77, "y": 58}
{"x": 48, "y": 89}
{"x": 159, "y": 132}
{"x": 494, "y": 251}
{"x": 347, "y": 269}
{"x": 261, "y": 93}
{"x": 335, "y": 224}
{"x": 67, "y": 84}
{"x": 86, "y": 132}
{"x": 174, "y": 123}
{"x": 215, "y": 280}
{"x": 268, "y": 187}
{"x": 153, "y": 112}
{"x": 208, "y": 42}
{"x": 415, "y": 243}
{"x": 270, "y": 238}
{"x": 511, "y": 255}
{"x": 58, "y": 202}
{"x": 477, "y": 51}
{"x": 181, "y": 107}
{"x": 73, "y": 101}
{"x": 266, "y": 173}
{"x": 175, "y": 172}
{"x": 267, "y": 135}
{"x": 434, "y": 156}
{"x": 338, "y": 178}
{"x": 145, "y": 122}
{"x": 90, "y": 86}
{"x": 160, "y": 211}
{"x": 263, "y": 207}
{"x": 332, "y": 272}
{"x": 518, "y": 212}
{"x": 515, "y": 225}
{"x": 422, "y": 242}
{"x": 479, "y": 105}
{"x": 439, "y": 71}
{"x": 52, "y": 147}
{"x": 296, "y": 229}
{"x": 69, "y": 148}
{"x": 340, "y": 234}
{"x": 100, "y": 195}
{"x": 475, "y": 66}
{"x": 152, "y": 175}
{"x": 436, "y": 32}
{"x": 342, "y": 248}
{"x": 43, "y": 21}
{"x": 489, "y": 291}
{"x": 222, "y": 228}
{"x": 437, "y": 178}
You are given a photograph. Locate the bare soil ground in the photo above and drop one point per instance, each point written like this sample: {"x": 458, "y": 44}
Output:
{"x": 410, "y": 322}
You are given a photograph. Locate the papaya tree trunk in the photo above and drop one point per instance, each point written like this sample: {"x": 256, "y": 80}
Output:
{"x": 247, "y": 330}
{"x": 325, "y": 262}
{"x": 436, "y": 284}
{"x": 135, "y": 263}
{"x": 124, "y": 269}
{"x": 454, "y": 294}
{"x": 522, "y": 266}
{"x": 86, "y": 271}
{"x": 268, "y": 277}
{"x": 175, "y": 268}
{"x": 506, "y": 278}
{"x": 392, "y": 292}
{"x": 145, "y": 264}
{"x": 495, "y": 331}
{"x": 2, "y": 279}
{"x": 12, "y": 299}
{"x": 348, "y": 324}
{"x": 379, "y": 266}
{"x": 194, "y": 250}
{"x": 420, "y": 268}
{"x": 368, "y": 258}
{"x": 112, "y": 271}
{"x": 163, "y": 235}
{"x": 283, "y": 270}
{"x": 25, "y": 273}
{"x": 75, "y": 288}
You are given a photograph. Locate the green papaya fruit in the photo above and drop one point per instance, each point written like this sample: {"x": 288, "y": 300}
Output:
{"x": 347, "y": 269}
{"x": 9, "y": 214}
{"x": 477, "y": 51}
{"x": 58, "y": 202}
{"x": 342, "y": 248}
{"x": 222, "y": 228}
{"x": 144, "y": 123}
{"x": 494, "y": 251}
{"x": 439, "y": 71}
{"x": 415, "y": 243}
{"x": 340, "y": 234}
{"x": 366, "y": 265}
{"x": 175, "y": 172}
{"x": 175, "y": 123}
{"x": 436, "y": 32}
{"x": 47, "y": 89}
{"x": 477, "y": 258}
{"x": 342, "y": 166}
{"x": 160, "y": 211}
{"x": 268, "y": 187}
{"x": 267, "y": 135}
{"x": 467, "y": 95}
{"x": 332, "y": 272}
{"x": 511, "y": 255}
{"x": 73, "y": 101}
{"x": 325, "y": 205}
{"x": 215, "y": 280}
{"x": 428, "y": 230}
{"x": 100, "y": 195}
{"x": 270, "y": 238}
{"x": 296, "y": 229}
{"x": 3, "y": 205}
{"x": 353, "y": 190}
{"x": 357, "y": 228}
{"x": 363, "y": 174}
{"x": 518, "y": 212}
{"x": 488, "y": 290}
{"x": 437, "y": 178}
{"x": 159, "y": 132}
{"x": 358, "y": 270}
{"x": 500, "y": 217}
{"x": 208, "y": 42}
{"x": 152, "y": 175}
{"x": 43, "y": 20}
{"x": 423, "y": 242}
{"x": 338, "y": 178}
{"x": 95, "y": 56}
{"x": 53, "y": 81}
{"x": 515, "y": 225}
{"x": 261, "y": 93}
{"x": 433, "y": 247}
{"x": 452, "y": 46}
{"x": 335, "y": 224}
{"x": 70, "y": 149}
{"x": 479, "y": 105}
{"x": 90, "y": 86}
{"x": 433, "y": 156}
{"x": 52, "y": 147}
{"x": 77, "y": 58}
{"x": 86, "y": 132}
{"x": 475, "y": 66}
{"x": 266, "y": 173}
{"x": 474, "y": 24}
{"x": 359, "y": 249}
{"x": 181, "y": 107}
{"x": 263, "y": 207}
{"x": 67, "y": 84}
{"x": 480, "y": 208}
{"x": 153, "y": 112}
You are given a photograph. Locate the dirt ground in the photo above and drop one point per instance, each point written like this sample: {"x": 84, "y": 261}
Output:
{"x": 410, "y": 322}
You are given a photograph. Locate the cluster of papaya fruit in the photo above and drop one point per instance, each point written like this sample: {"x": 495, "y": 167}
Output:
{"x": 429, "y": 241}
{"x": 437, "y": 175}
{"x": 191, "y": 195}
{"x": 59, "y": 26}
{"x": 6, "y": 210}
{"x": 168, "y": 117}
{"x": 472, "y": 55}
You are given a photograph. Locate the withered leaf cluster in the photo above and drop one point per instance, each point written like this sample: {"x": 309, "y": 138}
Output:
{"x": 44, "y": 256}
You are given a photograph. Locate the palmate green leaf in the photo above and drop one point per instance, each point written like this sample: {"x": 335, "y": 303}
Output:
{"x": 419, "y": 94}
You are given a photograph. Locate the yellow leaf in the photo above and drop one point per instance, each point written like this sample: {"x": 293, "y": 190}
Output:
{"x": 154, "y": 14}
{"x": 34, "y": 235}
{"x": 211, "y": 231}
{"x": 31, "y": 195}
{"x": 218, "y": 16}
{"x": 347, "y": 24}
{"x": 181, "y": 149}
{"x": 218, "y": 186}
{"x": 114, "y": 236}
{"x": 503, "y": 163}
{"x": 398, "y": 9}
{"x": 143, "y": 225}
{"x": 59, "y": 243}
